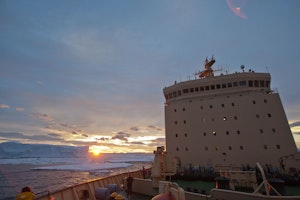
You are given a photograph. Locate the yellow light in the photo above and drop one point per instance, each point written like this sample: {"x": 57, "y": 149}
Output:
{"x": 95, "y": 150}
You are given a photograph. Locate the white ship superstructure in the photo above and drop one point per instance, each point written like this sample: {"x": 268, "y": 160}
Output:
{"x": 227, "y": 121}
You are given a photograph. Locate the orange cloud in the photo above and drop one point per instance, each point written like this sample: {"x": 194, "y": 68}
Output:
{"x": 4, "y": 106}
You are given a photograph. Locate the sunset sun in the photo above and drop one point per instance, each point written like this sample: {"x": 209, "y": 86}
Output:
{"x": 95, "y": 150}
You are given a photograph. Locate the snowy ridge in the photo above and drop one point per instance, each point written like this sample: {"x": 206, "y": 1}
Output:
{"x": 19, "y": 150}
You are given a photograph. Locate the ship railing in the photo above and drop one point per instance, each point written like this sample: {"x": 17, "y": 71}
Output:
{"x": 87, "y": 190}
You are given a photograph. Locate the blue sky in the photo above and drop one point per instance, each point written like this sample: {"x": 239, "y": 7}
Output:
{"x": 92, "y": 72}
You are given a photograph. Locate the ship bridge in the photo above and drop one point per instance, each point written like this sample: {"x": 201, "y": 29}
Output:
{"x": 216, "y": 85}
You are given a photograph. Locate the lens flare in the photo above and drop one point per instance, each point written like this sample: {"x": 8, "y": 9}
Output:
{"x": 236, "y": 7}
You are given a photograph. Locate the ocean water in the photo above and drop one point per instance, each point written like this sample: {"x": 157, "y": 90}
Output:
{"x": 52, "y": 174}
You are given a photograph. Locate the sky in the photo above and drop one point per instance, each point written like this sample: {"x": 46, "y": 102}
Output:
{"x": 92, "y": 72}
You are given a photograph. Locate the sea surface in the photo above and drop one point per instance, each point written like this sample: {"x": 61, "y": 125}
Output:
{"x": 52, "y": 174}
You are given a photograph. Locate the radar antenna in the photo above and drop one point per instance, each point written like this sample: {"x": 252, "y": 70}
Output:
{"x": 208, "y": 71}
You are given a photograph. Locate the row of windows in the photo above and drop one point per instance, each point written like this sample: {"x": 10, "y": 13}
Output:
{"x": 229, "y": 148}
{"x": 223, "y": 119}
{"x": 238, "y": 132}
{"x": 250, "y": 83}
{"x": 222, "y": 105}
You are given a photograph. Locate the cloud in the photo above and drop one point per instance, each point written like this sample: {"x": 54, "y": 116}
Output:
{"x": 294, "y": 124}
{"x": 138, "y": 143}
{"x": 43, "y": 116}
{"x": 54, "y": 135}
{"x": 121, "y": 136}
{"x": 4, "y": 106}
{"x": 154, "y": 127}
{"x": 159, "y": 142}
{"x": 134, "y": 128}
{"x": 20, "y": 109}
{"x": 21, "y": 136}
{"x": 102, "y": 139}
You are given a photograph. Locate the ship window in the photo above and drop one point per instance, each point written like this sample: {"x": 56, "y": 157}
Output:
{"x": 196, "y": 89}
{"x": 204, "y": 133}
{"x": 267, "y": 83}
{"x": 212, "y": 87}
{"x": 212, "y": 119}
{"x": 183, "y": 109}
{"x": 250, "y": 83}
{"x": 232, "y": 104}
{"x": 273, "y": 130}
{"x": 242, "y": 83}
{"x": 185, "y": 135}
{"x": 191, "y": 89}
{"x": 256, "y": 83}
{"x": 211, "y": 106}
{"x": 185, "y": 91}
{"x": 238, "y": 132}
{"x": 206, "y": 87}
{"x": 269, "y": 115}
{"x": 201, "y": 88}
{"x": 175, "y": 122}
{"x": 214, "y": 133}
{"x": 177, "y": 149}
{"x": 176, "y": 135}
{"x": 241, "y": 148}
{"x": 170, "y": 95}
{"x": 174, "y": 94}
{"x": 265, "y": 147}
{"x": 261, "y": 130}
{"x": 175, "y": 110}
{"x": 278, "y": 146}
{"x": 235, "y": 84}
{"x": 257, "y": 115}
{"x": 229, "y": 148}
{"x": 229, "y": 84}
{"x": 254, "y": 102}
{"x": 224, "y": 118}
{"x": 201, "y": 107}
{"x": 224, "y": 85}
{"x": 218, "y": 86}
{"x": 235, "y": 117}
{"x": 179, "y": 92}
{"x": 262, "y": 83}
{"x": 206, "y": 148}
{"x": 186, "y": 149}
{"x": 223, "y": 105}
{"x": 184, "y": 121}
{"x": 216, "y": 148}
{"x": 227, "y": 132}
{"x": 265, "y": 100}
